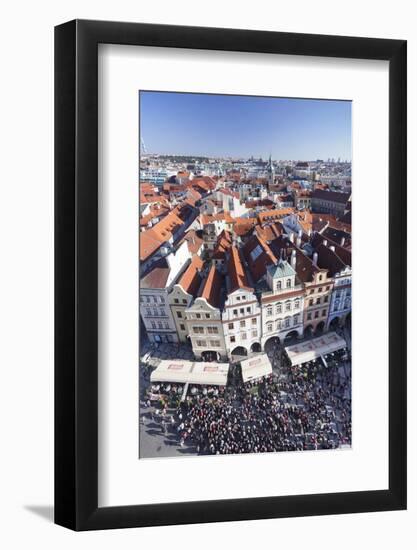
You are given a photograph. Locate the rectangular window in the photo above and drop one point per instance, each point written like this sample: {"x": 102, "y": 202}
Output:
{"x": 326, "y": 299}
{"x": 212, "y": 330}
{"x": 207, "y": 315}
{"x": 233, "y": 339}
{"x": 153, "y": 324}
{"x": 242, "y": 323}
{"x": 201, "y": 343}
{"x": 182, "y": 327}
{"x": 318, "y": 301}
{"x": 179, "y": 314}
{"x": 254, "y": 333}
{"x": 253, "y": 320}
{"x": 198, "y": 330}
{"x": 316, "y": 314}
{"x": 184, "y": 301}
{"x": 323, "y": 313}
{"x": 243, "y": 335}
{"x": 235, "y": 312}
{"x": 198, "y": 315}
{"x": 230, "y": 326}
{"x": 309, "y": 316}
{"x": 279, "y": 308}
{"x": 288, "y": 306}
{"x": 248, "y": 310}
{"x": 242, "y": 311}
{"x": 176, "y": 301}
{"x": 269, "y": 311}
{"x": 162, "y": 299}
{"x": 310, "y": 302}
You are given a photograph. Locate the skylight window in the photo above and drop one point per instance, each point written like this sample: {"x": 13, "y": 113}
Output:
{"x": 256, "y": 252}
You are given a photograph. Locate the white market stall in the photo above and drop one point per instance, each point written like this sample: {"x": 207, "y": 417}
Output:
{"x": 211, "y": 374}
{"x": 176, "y": 372}
{"x": 315, "y": 348}
{"x": 256, "y": 367}
{"x": 189, "y": 372}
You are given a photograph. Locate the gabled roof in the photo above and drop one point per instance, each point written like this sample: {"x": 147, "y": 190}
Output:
{"x": 269, "y": 232}
{"x": 236, "y": 271}
{"x": 191, "y": 278}
{"x": 333, "y": 196}
{"x": 224, "y": 242}
{"x": 157, "y": 277}
{"x": 271, "y": 215}
{"x": 212, "y": 287}
{"x": 258, "y": 256}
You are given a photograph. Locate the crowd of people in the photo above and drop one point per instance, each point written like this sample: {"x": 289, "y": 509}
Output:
{"x": 302, "y": 408}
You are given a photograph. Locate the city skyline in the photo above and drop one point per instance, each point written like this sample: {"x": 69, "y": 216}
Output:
{"x": 230, "y": 126}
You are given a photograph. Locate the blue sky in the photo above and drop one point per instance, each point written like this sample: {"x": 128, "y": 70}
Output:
{"x": 222, "y": 125}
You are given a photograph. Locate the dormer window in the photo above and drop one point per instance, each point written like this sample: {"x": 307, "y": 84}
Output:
{"x": 279, "y": 285}
{"x": 288, "y": 283}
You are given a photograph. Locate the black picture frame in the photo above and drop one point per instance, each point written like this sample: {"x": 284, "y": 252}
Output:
{"x": 76, "y": 272}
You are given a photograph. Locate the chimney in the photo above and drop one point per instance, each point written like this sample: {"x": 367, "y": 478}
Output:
{"x": 342, "y": 242}
{"x": 332, "y": 248}
{"x": 293, "y": 259}
{"x": 315, "y": 258}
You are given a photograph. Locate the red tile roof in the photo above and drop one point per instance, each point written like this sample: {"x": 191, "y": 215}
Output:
{"x": 236, "y": 271}
{"x": 224, "y": 242}
{"x": 212, "y": 286}
{"x": 191, "y": 279}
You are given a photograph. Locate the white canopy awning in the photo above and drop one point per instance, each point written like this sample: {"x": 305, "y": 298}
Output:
{"x": 256, "y": 367}
{"x": 172, "y": 371}
{"x": 214, "y": 374}
{"x": 183, "y": 372}
{"x": 313, "y": 349}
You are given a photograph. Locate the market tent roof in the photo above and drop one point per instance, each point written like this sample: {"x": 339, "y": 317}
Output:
{"x": 313, "y": 349}
{"x": 187, "y": 372}
{"x": 256, "y": 367}
{"x": 172, "y": 371}
{"x": 214, "y": 374}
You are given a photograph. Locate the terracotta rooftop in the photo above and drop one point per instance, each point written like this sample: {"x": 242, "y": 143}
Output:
{"x": 271, "y": 215}
{"x": 211, "y": 289}
{"x": 224, "y": 242}
{"x": 236, "y": 271}
{"x": 191, "y": 279}
{"x": 157, "y": 276}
